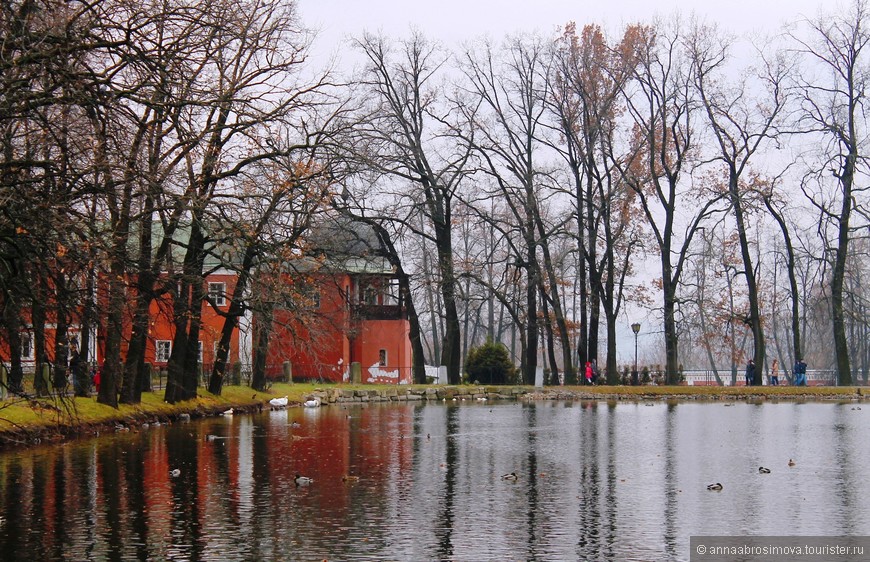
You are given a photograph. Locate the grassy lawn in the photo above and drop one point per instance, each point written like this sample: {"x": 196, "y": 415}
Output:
{"x": 20, "y": 416}
{"x": 728, "y": 391}
{"x": 25, "y": 415}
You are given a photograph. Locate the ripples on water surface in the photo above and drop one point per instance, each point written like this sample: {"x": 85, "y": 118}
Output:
{"x": 622, "y": 481}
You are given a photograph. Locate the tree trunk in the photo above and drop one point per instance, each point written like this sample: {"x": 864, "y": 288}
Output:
{"x": 838, "y": 275}
{"x": 134, "y": 365}
{"x": 452, "y": 344}
{"x": 82, "y": 377}
{"x": 111, "y": 368}
{"x": 612, "y": 370}
{"x": 40, "y": 357}
{"x": 12, "y": 322}
{"x": 558, "y": 315}
{"x": 61, "y": 335}
{"x": 231, "y": 321}
{"x": 429, "y": 282}
{"x": 263, "y": 324}
{"x": 751, "y": 284}
{"x": 670, "y": 325}
{"x": 530, "y": 364}
{"x": 548, "y": 333}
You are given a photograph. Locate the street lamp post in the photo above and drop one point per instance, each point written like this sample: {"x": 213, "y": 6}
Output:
{"x": 635, "y": 328}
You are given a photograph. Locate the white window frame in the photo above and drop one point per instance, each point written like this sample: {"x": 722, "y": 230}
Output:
{"x": 162, "y": 356}
{"x": 217, "y": 291}
{"x": 199, "y": 352}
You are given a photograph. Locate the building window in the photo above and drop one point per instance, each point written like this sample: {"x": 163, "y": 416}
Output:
{"x": 371, "y": 296}
{"x": 162, "y": 351}
{"x": 392, "y": 294}
{"x": 74, "y": 341}
{"x": 382, "y": 358}
{"x": 217, "y": 293}
{"x": 26, "y": 346}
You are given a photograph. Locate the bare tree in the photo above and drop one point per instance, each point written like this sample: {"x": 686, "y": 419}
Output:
{"x": 274, "y": 209}
{"x": 664, "y": 107}
{"x": 511, "y": 84}
{"x": 740, "y": 120}
{"x": 399, "y": 138}
{"x": 833, "y": 106}
{"x": 253, "y": 65}
{"x": 587, "y": 103}
{"x": 791, "y": 271}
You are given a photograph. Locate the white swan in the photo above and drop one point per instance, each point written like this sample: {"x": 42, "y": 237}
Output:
{"x": 227, "y": 412}
{"x": 312, "y": 403}
{"x": 279, "y": 402}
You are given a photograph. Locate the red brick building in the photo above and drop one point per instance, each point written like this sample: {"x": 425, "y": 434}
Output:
{"x": 354, "y": 314}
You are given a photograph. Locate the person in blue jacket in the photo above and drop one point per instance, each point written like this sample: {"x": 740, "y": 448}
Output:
{"x": 800, "y": 373}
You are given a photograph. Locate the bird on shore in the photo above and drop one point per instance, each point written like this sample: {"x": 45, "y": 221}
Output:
{"x": 227, "y": 412}
{"x": 762, "y": 470}
{"x": 302, "y": 480}
{"x": 715, "y": 487}
{"x": 279, "y": 402}
{"x": 511, "y": 476}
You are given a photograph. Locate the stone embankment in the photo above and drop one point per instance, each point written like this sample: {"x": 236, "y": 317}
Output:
{"x": 404, "y": 394}
{"x": 486, "y": 393}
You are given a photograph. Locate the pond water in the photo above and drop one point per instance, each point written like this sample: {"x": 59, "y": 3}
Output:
{"x": 595, "y": 480}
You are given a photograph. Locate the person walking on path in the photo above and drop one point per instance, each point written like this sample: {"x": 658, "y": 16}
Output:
{"x": 750, "y": 372}
{"x": 800, "y": 373}
{"x": 774, "y": 373}
{"x": 74, "y": 365}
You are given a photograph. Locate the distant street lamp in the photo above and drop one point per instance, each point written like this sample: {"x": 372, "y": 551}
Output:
{"x": 635, "y": 328}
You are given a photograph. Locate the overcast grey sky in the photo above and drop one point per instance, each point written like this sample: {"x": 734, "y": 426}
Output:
{"x": 452, "y": 21}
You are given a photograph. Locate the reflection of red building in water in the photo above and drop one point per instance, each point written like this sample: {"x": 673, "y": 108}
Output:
{"x": 353, "y": 313}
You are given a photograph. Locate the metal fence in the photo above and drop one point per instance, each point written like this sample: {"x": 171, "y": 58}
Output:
{"x": 815, "y": 377}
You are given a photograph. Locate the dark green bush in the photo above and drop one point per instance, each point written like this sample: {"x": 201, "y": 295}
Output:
{"x": 489, "y": 364}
